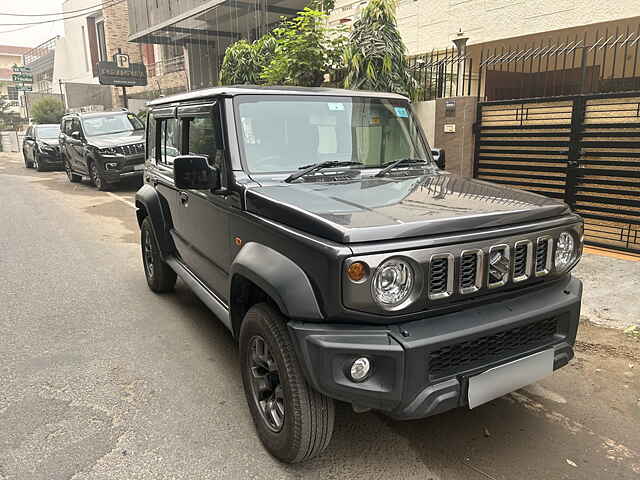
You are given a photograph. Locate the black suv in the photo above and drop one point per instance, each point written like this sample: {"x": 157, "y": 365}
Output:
{"x": 315, "y": 224}
{"x": 40, "y": 147}
{"x": 106, "y": 147}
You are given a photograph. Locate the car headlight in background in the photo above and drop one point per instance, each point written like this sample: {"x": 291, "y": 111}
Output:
{"x": 566, "y": 251}
{"x": 392, "y": 283}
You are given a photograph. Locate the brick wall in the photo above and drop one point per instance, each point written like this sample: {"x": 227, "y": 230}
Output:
{"x": 116, "y": 31}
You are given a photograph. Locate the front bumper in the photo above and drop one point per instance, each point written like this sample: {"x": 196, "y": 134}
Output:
{"x": 50, "y": 158}
{"x": 421, "y": 368}
{"x": 117, "y": 167}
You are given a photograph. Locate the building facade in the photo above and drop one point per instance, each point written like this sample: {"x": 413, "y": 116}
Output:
{"x": 193, "y": 35}
{"x": 10, "y": 56}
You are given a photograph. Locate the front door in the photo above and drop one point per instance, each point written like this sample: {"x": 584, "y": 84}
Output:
{"x": 202, "y": 227}
{"x": 76, "y": 147}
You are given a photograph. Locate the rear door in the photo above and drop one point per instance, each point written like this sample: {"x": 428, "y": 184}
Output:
{"x": 163, "y": 145}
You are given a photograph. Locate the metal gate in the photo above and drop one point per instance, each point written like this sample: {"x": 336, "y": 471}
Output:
{"x": 584, "y": 149}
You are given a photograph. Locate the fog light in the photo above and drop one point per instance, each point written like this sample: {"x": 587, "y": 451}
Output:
{"x": 360, "y": 369}
{"x": 111, "y": 165}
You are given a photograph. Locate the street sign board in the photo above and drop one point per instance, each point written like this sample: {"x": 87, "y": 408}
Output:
{"x": 120, "y": 72}
{"x": 24, "y": 88}
{"x": 22, "y": 77}
{"x": 21, "y": 69}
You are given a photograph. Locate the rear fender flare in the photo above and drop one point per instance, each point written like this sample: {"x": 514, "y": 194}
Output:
{"x": 149, "y": 203}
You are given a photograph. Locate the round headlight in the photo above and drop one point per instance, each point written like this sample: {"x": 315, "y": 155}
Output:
{"x": 392, "y": 283}
{"x": 565, "y": 251}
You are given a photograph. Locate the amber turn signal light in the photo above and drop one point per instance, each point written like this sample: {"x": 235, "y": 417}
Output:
{"x": 357, "y": 271}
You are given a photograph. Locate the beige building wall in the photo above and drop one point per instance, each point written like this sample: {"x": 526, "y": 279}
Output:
{"x": 432, "y": 24}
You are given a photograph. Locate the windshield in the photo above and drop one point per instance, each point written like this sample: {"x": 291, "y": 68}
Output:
{"x": 125, "y": 122}
{"x": 50, "y": 131}
{"x": 283, "y": 133}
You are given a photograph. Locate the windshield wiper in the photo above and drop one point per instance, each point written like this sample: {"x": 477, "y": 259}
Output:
{"x": 306, "y": 169}
{"x": 397, "y": 163}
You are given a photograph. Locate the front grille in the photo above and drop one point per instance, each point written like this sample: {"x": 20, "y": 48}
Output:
{"x": 468, "y": 270}
{"x": 543, "y": 255}
{"x": 520, "y": 260}
{"x": 440, "y": 276}
{"x": 134, "y": 149}
{"x": 459, "y": 357}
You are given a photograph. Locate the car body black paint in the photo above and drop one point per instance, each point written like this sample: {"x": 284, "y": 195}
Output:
{"x": 127, "y": 160}
{"x": 47, "y": 148}
{"x": 319, "y": 226}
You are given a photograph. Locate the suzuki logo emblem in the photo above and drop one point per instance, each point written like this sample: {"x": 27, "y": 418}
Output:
{"x": 498, "y": 265}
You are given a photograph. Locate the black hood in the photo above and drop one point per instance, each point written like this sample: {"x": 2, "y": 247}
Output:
{"x": 370, "y": 208}
{"x": 116, "y": 139}
{"x": 49, "y": 141}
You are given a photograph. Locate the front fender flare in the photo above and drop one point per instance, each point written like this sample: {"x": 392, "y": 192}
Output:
{"x": 280, "y": 278}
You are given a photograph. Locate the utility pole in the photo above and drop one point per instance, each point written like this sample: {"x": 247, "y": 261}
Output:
{"x": 124, "y": 97}
{"x": 64, "y": 100}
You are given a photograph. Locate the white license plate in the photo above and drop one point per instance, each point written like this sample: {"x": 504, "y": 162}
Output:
{"x": 511, "y": 376}
{"x": 140, "y": 166}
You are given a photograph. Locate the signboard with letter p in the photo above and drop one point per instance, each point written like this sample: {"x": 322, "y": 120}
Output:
{"x": 120, "y": 72}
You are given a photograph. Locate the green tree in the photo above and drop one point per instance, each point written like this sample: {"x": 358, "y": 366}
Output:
{"x": 244, "y": 61}
{"x": 306, "y": 50}
{"x": 47, "y": 110}
{"x": 375, "y": 58}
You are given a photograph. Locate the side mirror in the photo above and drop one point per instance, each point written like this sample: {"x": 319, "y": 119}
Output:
{"x": 75, "y": 135}
{"x": 438, "y": 157}
{"x": 193, "y": 172}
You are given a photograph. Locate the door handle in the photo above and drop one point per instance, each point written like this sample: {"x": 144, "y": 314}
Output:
{"x": 184, "y": 198}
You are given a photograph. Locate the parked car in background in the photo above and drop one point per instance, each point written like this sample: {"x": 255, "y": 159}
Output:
{"x": 316, "y": 224}
{"x": 107, "y": 147}
{"x": 40, "y": 147}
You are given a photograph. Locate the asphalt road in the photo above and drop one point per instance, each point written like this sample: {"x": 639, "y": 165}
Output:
{"x": 102, "y": 379}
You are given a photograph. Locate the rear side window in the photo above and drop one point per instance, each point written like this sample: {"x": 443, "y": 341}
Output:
{"x": 151, "y": 138}
{"x": 169, "y": 141}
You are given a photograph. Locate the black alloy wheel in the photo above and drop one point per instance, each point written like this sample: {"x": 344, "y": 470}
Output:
{"x": 27, "y": 163}
{"x": 160, "y": 276}
{"x": 96, "y": 177}
{"x": 265, "y": 384}
{"x": 293, "y": 421}
{"x": 37, "y": 164}
{"x": 73, "y": 178}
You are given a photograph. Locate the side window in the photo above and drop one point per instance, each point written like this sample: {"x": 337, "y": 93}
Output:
{"x": 205, "y": 138}
{"x": 169, "y": 141}
{"x": 75, "y": 125}
{"x": 151, "y": 138}
{"x": 29, "y": 132}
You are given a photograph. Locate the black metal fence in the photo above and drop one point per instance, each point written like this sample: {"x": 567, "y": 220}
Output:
{"x": 441, "y": 74}
{"x": 604, "y": 63}
{"x": 593, "y": 62}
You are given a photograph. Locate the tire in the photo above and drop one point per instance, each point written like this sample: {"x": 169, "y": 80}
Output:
{"x": 160, "y": 277}
{"x": 73, "y": 178}
{"x": 307, "y": 416}
{"x": 27, "y": 163}
{"x": 36, "y": 162}
{"x": 96, "y": 177}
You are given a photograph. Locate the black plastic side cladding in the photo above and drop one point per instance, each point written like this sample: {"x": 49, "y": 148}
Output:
{"x": 148, "y": 199}
{"x": 280, "y": 278}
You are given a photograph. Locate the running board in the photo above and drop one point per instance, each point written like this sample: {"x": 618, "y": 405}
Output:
{"x": 209, "y": 298}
